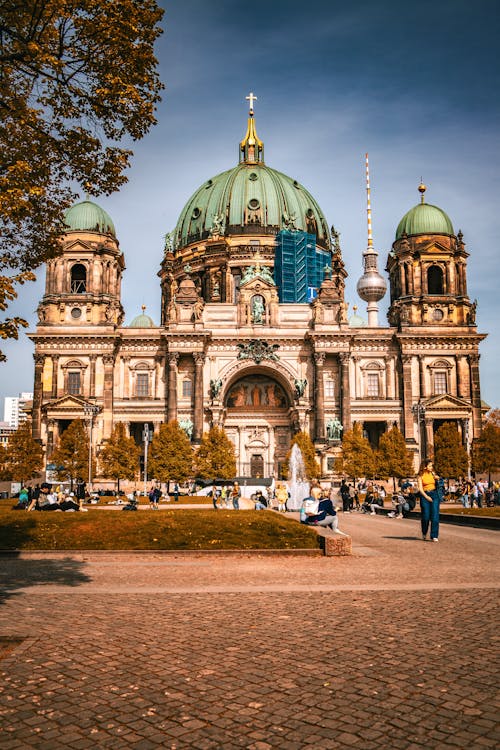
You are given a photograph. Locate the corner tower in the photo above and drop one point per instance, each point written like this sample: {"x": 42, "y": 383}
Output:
{"x": 83, "y": 283}
{"x": 427, "y": 268}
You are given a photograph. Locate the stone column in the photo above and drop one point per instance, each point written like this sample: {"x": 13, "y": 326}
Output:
{"x": 50, "y": 438}
{"x": 475, "y": 393}
{"x": 107, "y": 416}
{"x": 428, "y": 446}
{"x": 421, "y": 377}
{"x": 463, "y": 377}
{"x": 37, "y": 395}
{"x": 407, "y": 398}
{"x": 158, "y": 364}
{"x": 173, "y": 358}
{"x": 319, "y": 396}
{"x": 55, "y": 363}
{"x": 93, "y": 359}
{"x": 199, "y": 360}
{"x": 389, "y": 379}
{"x": 345, "y": 393}
{"x": 126, "y": 377}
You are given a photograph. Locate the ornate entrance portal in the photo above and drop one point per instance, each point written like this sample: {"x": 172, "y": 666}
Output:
{"x": 258, "y": 421}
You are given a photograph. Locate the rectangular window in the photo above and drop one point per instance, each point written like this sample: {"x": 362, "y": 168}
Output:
{"x": 330, "y": 388}
{"x": 187, "y": 388}
{"x": 439, "y": 383}
{"x": 142, "y": 384}
{"x": 330, "y": 463}
{"x": 74, "y": 383}
{"x": 373, "y": 385}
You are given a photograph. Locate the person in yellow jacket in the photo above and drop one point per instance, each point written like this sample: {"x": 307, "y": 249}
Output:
{"x": 429, "y": 500}
{"x": 281, "y": 497}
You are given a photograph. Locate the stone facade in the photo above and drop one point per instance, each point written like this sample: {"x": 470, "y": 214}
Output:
{"x": 228, "y": 352}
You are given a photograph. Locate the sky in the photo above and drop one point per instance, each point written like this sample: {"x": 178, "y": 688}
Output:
{"x": 414, "y": 84}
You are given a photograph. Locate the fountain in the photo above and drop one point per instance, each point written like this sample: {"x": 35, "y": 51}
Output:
{"x": 298, "y": 487}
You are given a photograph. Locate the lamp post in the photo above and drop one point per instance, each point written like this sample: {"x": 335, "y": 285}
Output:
{"x": 146, "y": 437}
{"x": 418, "y": 410}
{"x": 467, "y": 444}
{"x": 89, "y": 411}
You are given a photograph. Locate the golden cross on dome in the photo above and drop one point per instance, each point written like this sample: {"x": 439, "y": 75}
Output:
{"x": 251, "y": 98}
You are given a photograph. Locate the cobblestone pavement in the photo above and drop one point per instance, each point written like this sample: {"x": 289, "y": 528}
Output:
{"x": 395, "y": 647}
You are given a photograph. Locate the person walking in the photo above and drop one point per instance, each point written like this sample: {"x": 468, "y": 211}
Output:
{"x": 429, "y": 500}
{"x": 235, "y": 496}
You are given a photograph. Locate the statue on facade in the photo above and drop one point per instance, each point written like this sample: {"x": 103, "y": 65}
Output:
{"x": 257, "y": 310}
{"x": 471, "y": 315}
{"x": 169, "y": 243}
{"x": 333, "y": 429}
{"x": 335, "y": 241}
{"x": 265, "y": 273}
{"x": 217, "y": 224}
{"x": 198, "y": 309}
{"x": 289, "y": 221}
{"x": 186, "y": 425}
{"x": 248, "y": 274}
{"x": 300, "y": 387}
{"x": 317, "y": 311}
{"x": 215, "y": 387}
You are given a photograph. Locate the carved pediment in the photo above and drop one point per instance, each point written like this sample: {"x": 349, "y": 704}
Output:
{"x": 77, "y": 246}
{"x": 434, "y": 248}
{"x": 447, "y": 403}
{"x": 67, "y": 405}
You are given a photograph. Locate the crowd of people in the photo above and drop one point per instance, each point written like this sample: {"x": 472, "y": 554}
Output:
{"x": 45, "y": 497}
{"x": 319, "y": 508}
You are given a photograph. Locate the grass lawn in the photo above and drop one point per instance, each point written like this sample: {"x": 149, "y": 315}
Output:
{"x": 491, "y": 512}
{"x": 162, "y": 530}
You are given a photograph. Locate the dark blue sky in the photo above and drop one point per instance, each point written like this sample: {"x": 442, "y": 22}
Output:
{"x": 414, "y": 84}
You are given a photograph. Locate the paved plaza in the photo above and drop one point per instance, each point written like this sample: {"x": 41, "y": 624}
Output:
{"x": 394, "y": 647}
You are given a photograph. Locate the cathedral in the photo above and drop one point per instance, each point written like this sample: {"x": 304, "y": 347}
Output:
{"x": 255, "y": 334}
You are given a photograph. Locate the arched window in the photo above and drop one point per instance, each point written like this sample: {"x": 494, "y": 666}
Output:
{"x": 435, "y": 280}
{"x": 78, "y": 279}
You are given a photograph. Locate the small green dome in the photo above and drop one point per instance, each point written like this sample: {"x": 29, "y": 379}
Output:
{"x": 424, "y": 219}
{"x": 356, "y": 321}
{"x": 142, "y": 320}
{"x": 90, "y": 217}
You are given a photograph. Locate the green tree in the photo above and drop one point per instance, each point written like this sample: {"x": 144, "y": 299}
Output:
{"x": 23, "y": 456}
{"x": 450, "y": 456}
{"x": 77, "y": 79}
{"x": 392, "y": 457}
{"x": 357, "y": 458}
{"x": 71, "y": 457}
{"x": 171, "y": 455}
{"x": 306, "y": 445}
{"x": 119, "y": 457}
{"x": 215, "y": 458}
{"x": 486, "y": 453}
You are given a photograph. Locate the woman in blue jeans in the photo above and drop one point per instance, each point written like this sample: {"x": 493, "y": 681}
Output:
{"x": 430, "y": 498}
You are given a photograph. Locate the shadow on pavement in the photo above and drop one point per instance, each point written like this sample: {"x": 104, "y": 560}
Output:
{"x": 404, "y": 538}
{"x": 17, "y": 574}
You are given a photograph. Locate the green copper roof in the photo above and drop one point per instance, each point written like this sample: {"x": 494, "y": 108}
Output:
{"x": 424, "y": 219}
{"x": 251, "y": 198}
{"x": 89, "y": 217}
{"x": 142, "y": 321}
{"x": 356, "y": 321}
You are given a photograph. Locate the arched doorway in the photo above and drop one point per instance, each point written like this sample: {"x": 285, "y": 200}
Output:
{"x": 258, "y": 421}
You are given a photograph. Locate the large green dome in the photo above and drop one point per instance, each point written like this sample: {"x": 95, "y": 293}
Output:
{"x": 90, "y": 217}
{"x": 424, "y": 219}
{"x": 251, "y": 198}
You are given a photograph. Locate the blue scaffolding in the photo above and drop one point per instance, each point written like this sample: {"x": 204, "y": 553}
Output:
{"x": 298, "y": 266}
